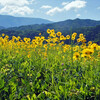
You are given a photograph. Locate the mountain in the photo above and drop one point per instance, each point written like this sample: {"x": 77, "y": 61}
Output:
{"x": 1, "y": 27}
{"x": 76, "y": 23}
{"x": 11, "y": 21}
{"x": 60, "y": 26}
{"x": 90, "y": 28}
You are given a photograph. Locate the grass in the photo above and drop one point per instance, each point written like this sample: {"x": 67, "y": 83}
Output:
{"x": 49, "y": 69}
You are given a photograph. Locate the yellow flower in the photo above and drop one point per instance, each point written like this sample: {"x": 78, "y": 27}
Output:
{"x": 42, "y": 37}
{"x": 90, "y": 43}
{"x": 19, "y": 37}
{"x": 73, "y": 38}
{"x": 84, "y": 44}
{"x": 40, "y": 44}
{"x": 94, "y": 46}
{"x": 63, "y": 57}
{"x": 48, "y": 31}
{"x": 45, "y": 46}
{"x": 59, "y": 33}
{"x": 3, "y": 34}
{"x": 52, "y": 31}
{"x": 74, "y": 33}
{"x": 62, "y": 37}
{"x": 78, "y": 40}
{"x": 7, "y": 36}
{"x": 62, "y": 42}
{"x": 28, "y": 55}
{"x": 83, "y": 40}
{"x": 39, "y": 33}
{"x": 67, "y": 46}
{"x": 74, "y": 49}
{"x": 52, "y": 35}
{"x": 64, "y": 50}
{"x": 37, "y": 38}
{"x": 81, "y": 35}
{"x": 51, "y": 44}
{"x": 98, "y": 48}
{"x": 83, "y": 55}
{"x": 88, "y": 51}
{"x": 76, "y": 56}
{"x": 25, "y": 39}
{"x": 67, "y": 36}
{"x": 77, "y": 47}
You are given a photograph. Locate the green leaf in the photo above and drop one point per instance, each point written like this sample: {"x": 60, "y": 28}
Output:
{"x": 55, "y": 97}
{"x": 34, "y": 97}
{"x": 22, "y": 81}
{"x": 1, "y": 83}
{"x": 61, "y": 88}
{"x": 38, "y": 75}
{"x": 6, "y": 89}
{"x": 81, "y": 89}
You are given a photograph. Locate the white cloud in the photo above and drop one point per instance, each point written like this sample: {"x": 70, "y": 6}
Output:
{"x": 64, "y": 3}
{"x": 52, "y": 11}
{"x": 74, "y": 5}
{"x": 12, "y": 10}
{"x": 78, "y": 15}
{"x": 14, "y": 2}
{"x": 46, "y": 6}
{"x": 12, "y": 7}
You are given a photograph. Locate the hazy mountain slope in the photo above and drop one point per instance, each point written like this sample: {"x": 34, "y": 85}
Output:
{"x": 1, "y": 27}
{"x": 10, "y": 21}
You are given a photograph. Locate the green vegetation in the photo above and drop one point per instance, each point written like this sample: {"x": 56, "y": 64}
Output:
{"x": 48, "y": 69}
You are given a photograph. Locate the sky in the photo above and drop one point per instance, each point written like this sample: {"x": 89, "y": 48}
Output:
{"x": 53, "y": 10}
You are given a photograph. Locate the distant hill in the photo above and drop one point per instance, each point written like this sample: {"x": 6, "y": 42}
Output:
{"x": 60, "y": 26}
{"x": 10, "y": 21}
{"x": 1, "y": 27}
{"x": 76, "y": 23}
{"x": 90, "y": 28}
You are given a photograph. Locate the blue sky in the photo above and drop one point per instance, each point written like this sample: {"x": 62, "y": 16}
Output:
{"x": 54, "y": 10}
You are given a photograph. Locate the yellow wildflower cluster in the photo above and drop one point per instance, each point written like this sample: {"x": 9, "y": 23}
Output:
{"x": 55, "y": 41}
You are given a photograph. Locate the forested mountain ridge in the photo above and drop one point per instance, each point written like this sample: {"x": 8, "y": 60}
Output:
{"x": 62, "y": 25}
{"x": 90, "y": 28}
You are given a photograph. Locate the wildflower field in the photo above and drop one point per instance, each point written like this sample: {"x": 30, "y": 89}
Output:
{"x": 48, "y": 68}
